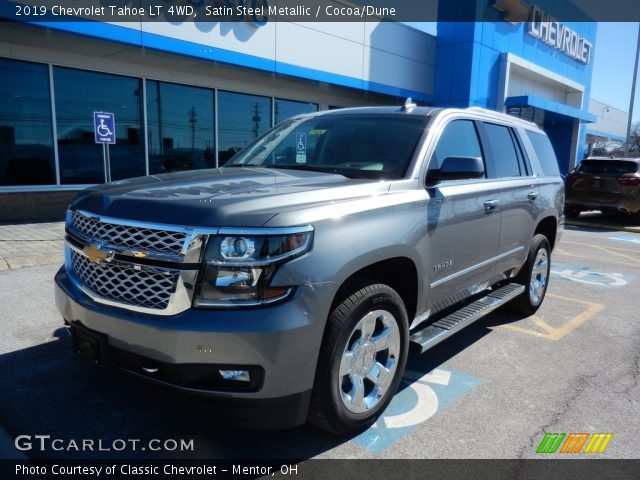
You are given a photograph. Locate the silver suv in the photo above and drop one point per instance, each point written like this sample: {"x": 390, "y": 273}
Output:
{"x": 292, "y": 283}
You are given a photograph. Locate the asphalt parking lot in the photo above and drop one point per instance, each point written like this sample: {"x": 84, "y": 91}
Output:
{"x": 492, "y": 391}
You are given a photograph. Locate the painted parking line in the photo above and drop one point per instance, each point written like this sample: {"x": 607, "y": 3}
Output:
{"x": 546, "y": 331}
{"x": 586, "y": 275}
{"x": 423, "y": 397}
{"x": 560, "y": 251}
{"x": 612, "y": 251}
{"x": 629, "y": 239}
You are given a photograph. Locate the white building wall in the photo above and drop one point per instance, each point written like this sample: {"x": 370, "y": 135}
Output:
{"x": 609, "y": 120}
{"x": 390, "y": 54}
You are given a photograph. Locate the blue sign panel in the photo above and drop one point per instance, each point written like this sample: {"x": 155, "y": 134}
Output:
{"x": 104, "y": 127}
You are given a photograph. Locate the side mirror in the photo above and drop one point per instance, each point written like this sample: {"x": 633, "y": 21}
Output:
{"x": 457, "y": 168}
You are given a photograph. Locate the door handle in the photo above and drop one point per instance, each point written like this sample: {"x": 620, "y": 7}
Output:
{"x": 491, "y": 205}
{"x": 532, "y": 196}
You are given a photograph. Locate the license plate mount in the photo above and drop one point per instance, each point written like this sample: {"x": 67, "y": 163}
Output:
{"x": 90, "y": 345}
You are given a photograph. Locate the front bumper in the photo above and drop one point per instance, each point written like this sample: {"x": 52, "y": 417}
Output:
{"x": 280, "y": 341}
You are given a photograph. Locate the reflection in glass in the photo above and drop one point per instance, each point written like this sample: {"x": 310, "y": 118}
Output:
{"x": 356, "y": 146}
{"x": 459, "y": 139}
{"x": 26, "y": 138}
{"x": 241, "y": 119}
{"x": 504, "y": 159}
{"x": 288, "y": 108}
{"x": 80, "y": 93}
{"x": 181, "y": 131}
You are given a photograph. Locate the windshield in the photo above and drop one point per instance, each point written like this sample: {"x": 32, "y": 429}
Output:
{"x": 356, "y": 146}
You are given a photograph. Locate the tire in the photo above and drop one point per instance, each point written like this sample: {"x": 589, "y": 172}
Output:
{"x": 345, "y": 399}
{"x": 534, "y": 275}
{"x": 571, "y": 212}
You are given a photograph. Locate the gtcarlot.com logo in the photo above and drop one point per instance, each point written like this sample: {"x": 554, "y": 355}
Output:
{"x": 574, "y": 442}
{"x": 46, "y": 442}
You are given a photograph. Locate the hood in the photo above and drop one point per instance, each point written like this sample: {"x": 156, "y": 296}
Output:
{"x": 230, "y": 197}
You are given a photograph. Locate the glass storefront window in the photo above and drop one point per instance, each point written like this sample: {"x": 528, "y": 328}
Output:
{"x": 80, "y": 93}
{"x": 241, "y": 119}
{"x": 26, "y": 131}
{"x": 288, "y": 108}
{"x": 181, "y": 131}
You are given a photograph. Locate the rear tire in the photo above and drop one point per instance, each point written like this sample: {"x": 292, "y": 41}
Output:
{"x": 534, "y": 275}
{"x": 362, "y": 360}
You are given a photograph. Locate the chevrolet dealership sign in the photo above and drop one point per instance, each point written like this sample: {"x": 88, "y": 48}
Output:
{"x": 546, "y": 28}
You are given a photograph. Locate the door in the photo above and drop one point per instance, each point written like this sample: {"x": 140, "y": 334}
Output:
{"x": 464, "y": 219}
{"x": 518, "y": 192}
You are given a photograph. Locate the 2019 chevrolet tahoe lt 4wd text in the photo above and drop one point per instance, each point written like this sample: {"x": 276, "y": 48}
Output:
{"x": 292, "y": 282}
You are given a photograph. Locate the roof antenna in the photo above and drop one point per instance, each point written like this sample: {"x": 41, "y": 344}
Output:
{"x": 408, "y": 105}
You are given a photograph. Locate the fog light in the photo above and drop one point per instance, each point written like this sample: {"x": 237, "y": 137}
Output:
{"x": 237, "y": 375}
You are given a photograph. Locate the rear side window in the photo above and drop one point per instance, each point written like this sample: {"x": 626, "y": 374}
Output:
{"x": 459, "y": 139}
{"x": 545, "y": 153}
{"x": 607, "y": 167}
{"x": 502, "y": 158}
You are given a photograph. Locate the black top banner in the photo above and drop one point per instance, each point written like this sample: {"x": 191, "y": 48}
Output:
{"x": 261, "y": 12}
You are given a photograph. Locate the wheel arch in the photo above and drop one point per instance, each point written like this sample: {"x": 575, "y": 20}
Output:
{"x": 548, "y": 226}
{"x": 399, "y": 273}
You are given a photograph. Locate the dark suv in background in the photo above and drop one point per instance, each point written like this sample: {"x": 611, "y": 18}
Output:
{"x": 611, "y": 185}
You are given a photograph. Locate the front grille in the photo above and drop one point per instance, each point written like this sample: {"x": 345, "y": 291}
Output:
{"x": 137, "y": 238}
{"x": 123, "y": 284}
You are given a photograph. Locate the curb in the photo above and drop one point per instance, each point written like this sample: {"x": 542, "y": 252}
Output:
{"x": 609, "y": 226}
{"x": 14, "y": 263}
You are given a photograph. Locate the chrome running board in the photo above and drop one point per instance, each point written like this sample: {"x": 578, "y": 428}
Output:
{"x": 431, "y": 335}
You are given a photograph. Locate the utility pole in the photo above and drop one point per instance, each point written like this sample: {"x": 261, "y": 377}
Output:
{"x": 192, "y": 121}
{"x": 633, "y": 95}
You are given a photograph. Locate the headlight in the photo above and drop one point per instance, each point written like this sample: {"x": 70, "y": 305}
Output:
{"x": 239, "y": 265}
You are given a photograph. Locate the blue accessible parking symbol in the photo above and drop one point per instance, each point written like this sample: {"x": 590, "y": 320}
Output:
{"x": 104, "y": 127}
{"x": 423, "y": 396}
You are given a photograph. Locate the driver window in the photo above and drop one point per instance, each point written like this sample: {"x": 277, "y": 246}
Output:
{"x": 459, "y": 139}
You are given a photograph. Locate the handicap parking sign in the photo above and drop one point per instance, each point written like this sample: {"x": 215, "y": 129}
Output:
{"x": 420, "y": 397}
{"x": 104, "y": 127}
{"x": 301, "y": 148}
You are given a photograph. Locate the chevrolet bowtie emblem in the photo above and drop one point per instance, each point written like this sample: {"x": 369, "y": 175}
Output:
{"x": 96, "y": 254}
{"x": 513, "y": 11}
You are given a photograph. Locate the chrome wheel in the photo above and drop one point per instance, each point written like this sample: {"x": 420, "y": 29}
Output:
{"x": 369, "y": 361}
{"x": 539, "y": 277}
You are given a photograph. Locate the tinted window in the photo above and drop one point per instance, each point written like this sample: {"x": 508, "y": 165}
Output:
{"x": 363, "y": 146}
{"x": 459, "y": 139}
{"x": 611, "y": 167}
{"x": 78, "y": 95}
{"x": 181, "y": 132}
{"x": 288, "y": 108}
{"x": 26, "y": 138}
{"x": 241, "y": 119}
{"x": 545, "y": 153}
{"x": 502, "y": 159}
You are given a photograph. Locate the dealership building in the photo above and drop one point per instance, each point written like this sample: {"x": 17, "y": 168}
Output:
{"x": 189, "y": 95}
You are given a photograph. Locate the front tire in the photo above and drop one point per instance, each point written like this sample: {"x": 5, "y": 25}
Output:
{"x": 534, "y": 275}
{"x": 362, "y": 360}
